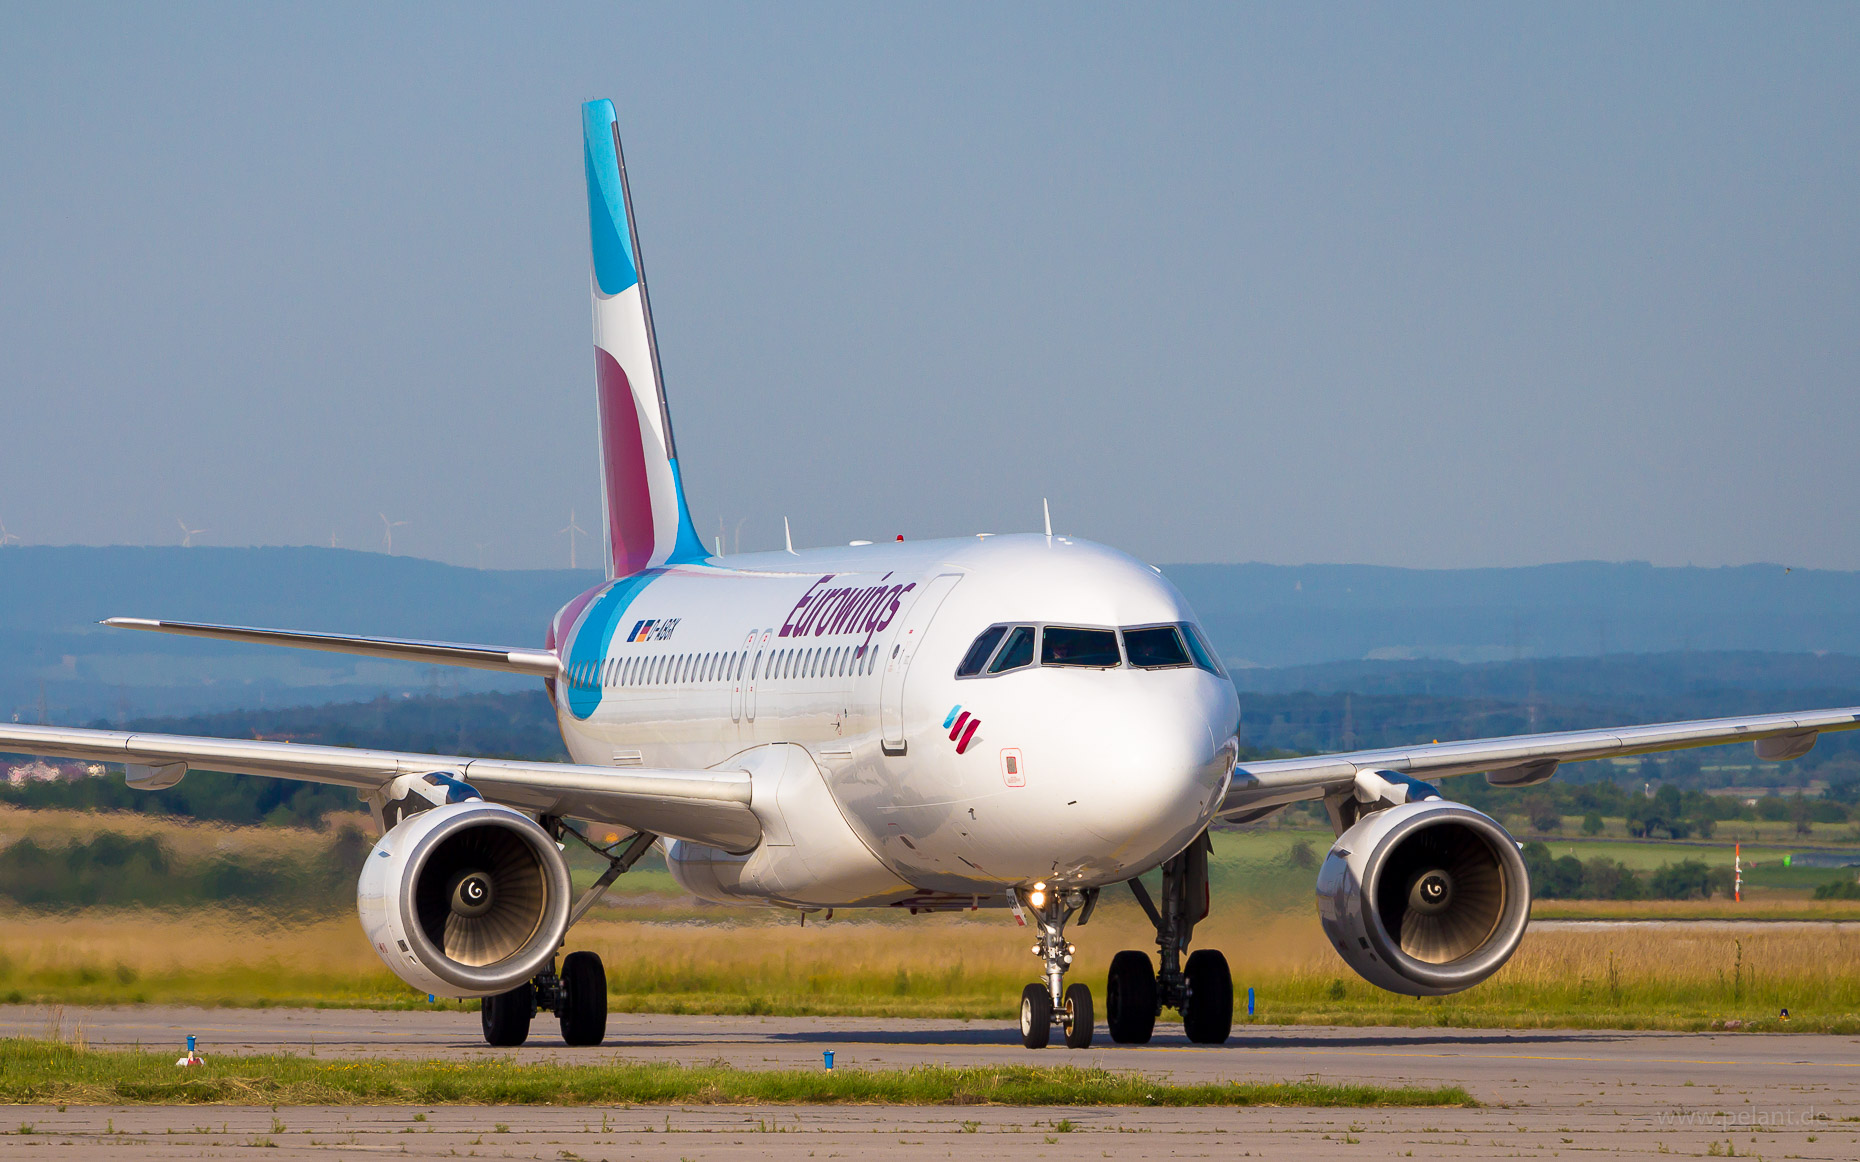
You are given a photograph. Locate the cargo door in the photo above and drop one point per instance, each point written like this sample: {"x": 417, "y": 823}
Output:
{"x": 905, "y": 639}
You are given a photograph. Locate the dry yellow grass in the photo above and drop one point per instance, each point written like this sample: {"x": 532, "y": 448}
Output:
{"x": 959, "y": 967}
{"x": 1775, "y": 904}
{"x": 665, "y": 953}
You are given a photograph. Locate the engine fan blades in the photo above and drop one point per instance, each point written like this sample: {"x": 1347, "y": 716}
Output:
{"x": 478, "y": 937}
{"x": 1474, "y": 909}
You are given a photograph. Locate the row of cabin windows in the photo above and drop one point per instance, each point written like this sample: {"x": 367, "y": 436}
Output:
{"x": 768, "y": 665}
{"x": 1000, "y": 649}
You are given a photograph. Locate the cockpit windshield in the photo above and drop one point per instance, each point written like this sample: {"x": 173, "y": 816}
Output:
{"x": 1016, "y": 653}
{"x": 1198, "y": 645}
{"x": 1000, "y": 649}
{"x": 980, "y": 651}
{"x": 1157, "y": 647}
{"x": 1065, "y": 646}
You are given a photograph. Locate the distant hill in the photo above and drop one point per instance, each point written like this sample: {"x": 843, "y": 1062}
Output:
{"x": 52, "y": 648}
{"x": 1356, "y": 624}
{"x": 1283, "y": 615}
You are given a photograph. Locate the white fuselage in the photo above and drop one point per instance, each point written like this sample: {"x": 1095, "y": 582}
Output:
{"x": 832, "y": 676}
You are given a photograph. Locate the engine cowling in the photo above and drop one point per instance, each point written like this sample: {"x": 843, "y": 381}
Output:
{"x": 1425, "y": 898}
{"x": 465, "y": 900}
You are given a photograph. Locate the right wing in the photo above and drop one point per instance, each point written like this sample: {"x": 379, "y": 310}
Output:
{"x": 708, "y": 807}
{"x": 1257, "y": 788}
{"x": 537, "y": 663}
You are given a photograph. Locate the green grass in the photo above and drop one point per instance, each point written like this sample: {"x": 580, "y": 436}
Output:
{"x": 47, "y": 1072}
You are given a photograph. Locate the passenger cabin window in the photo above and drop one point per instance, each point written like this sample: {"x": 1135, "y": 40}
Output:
{"x": 1064, "y": 646}
{"x": 980, "y": 651}
{"x": 1016, "y": 652}
{"x": 1156, "y": 647}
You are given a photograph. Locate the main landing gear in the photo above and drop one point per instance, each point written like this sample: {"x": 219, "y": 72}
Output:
{"x": 1049, "y": 1003}
{"x": 1202, "y": 990}
{"x": 578, "y": 995}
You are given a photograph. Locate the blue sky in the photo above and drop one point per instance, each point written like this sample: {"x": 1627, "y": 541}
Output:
{"x": 1432, "y": 286}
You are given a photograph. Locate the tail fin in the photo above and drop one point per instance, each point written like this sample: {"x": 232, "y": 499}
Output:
{"x": 647, "y": 521}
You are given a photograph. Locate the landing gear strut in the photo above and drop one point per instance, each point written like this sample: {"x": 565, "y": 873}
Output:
{"x": 578, "y": 995}
{"x": 1202, "y": 990}
{"x": 1044, "y": 1004}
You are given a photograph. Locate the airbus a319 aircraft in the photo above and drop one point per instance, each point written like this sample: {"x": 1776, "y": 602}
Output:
{"x": 988, "y": 722}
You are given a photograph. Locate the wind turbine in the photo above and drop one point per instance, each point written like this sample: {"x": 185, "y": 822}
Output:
{"x": 572, "y": 530}
{"x": 7, "y": 538}
{"x": 387, "y": 531}
{"x": 187, "y": 534}
{"x": 482, "y": 544}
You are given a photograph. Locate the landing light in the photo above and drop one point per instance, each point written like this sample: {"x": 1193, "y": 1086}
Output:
{"x": 1037, "y": 897}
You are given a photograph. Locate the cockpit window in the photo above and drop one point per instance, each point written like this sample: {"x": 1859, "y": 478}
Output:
{"x": 1064, "y": 646}
{"x": 1017, "y": 652}
{"x": 1204, "y": 657}
{"x": 1155, "y": 647}
{"x": 979, "y": 651}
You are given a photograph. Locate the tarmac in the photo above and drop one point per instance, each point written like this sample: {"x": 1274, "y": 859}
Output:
{"x": 1544, "y": 1092}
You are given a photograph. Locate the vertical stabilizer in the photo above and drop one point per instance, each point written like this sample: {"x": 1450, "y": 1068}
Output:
{"x": 647, "y": 522}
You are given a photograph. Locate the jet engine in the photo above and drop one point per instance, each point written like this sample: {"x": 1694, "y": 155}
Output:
{"x": 468, "y": 899}
{"x": 1424, "y": 898}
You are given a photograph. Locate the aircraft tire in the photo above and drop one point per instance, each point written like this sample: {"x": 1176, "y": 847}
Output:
{"x": 1079, "y": 1017}
{"x": 1036, "y": 1016}
{"x": 506, "y": 1016}
{"x": 1130, "y": 998}
{"x": 584, "y": 1003}
{"x": 1209, "y": 1015}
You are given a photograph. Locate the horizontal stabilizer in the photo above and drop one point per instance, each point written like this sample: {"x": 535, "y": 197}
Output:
{"x": 536, "y": 663}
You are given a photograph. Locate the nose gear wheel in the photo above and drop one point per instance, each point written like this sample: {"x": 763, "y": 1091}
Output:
{"x": 1048, "y": 1003}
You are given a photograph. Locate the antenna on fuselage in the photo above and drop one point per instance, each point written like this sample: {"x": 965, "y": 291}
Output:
{"x": 786, "y": 535}
{"x": 1048, "y": 510}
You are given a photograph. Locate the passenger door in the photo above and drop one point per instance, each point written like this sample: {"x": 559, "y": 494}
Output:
{"x": 755, "y": 666}
{"x": 905, "y": 639}
{"x": 739, "y": 677}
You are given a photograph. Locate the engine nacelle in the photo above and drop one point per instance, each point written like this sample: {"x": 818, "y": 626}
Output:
{"x": 1426, "y": 898}
{"x": 465, "y": 900}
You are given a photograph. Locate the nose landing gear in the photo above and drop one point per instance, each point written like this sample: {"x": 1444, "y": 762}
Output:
{"x": 1049, "y": 1003}
{"x": 1202, "y": 990}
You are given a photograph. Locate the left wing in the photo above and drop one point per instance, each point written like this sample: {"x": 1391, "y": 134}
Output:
{"x": 1521, "y": 760}
{"x": 709, "y": 807}
{"x": 507, "y": 659}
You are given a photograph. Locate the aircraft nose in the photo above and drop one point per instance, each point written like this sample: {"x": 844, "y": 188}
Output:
{"x": 1150, "y": 773}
